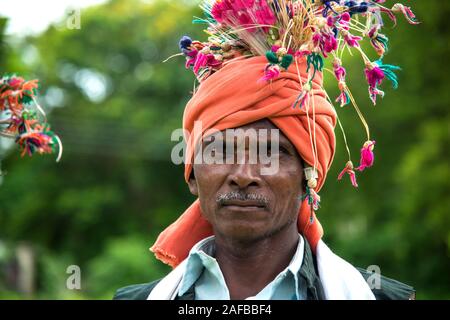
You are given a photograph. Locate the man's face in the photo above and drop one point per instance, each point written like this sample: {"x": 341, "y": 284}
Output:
{"x": 241, "y": 203}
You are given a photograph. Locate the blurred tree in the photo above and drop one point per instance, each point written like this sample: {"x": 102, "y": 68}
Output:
{"x": 2, "y": 41}
{"x": 114, "y": 105}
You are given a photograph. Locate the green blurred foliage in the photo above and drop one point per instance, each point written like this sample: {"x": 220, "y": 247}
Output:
{"x": 114, "y": 104}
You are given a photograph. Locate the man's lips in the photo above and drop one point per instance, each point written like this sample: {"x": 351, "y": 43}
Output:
{"x": 244, "y": 205}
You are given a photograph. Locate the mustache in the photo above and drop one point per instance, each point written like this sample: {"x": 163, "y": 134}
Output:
{"x": 242, "y": 196}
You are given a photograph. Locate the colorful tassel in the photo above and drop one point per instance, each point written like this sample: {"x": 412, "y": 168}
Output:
{"x": 302, "y": 99}
{"x": 199, "y": 56}
{"x": 30, "y": 134}
{"x": 271, "y": 72}
{"x": 375, "y": 74}
{"x": 35, "y": 142}
{"x": 367, "y": 156}
{"x": 344, "y": 98}
{"x": 379, "y": 42}
{"x": 311, "y": 29}
{"x": 340, "y": 73}
{"x": 407, "y": 12}
{"x": 312, "y": 197}
{"x": 349, "y": 170}
{"x": 243, "y": 13}
{"x": 388, "y": 71}
{"x": 374, "y": 93}
{"x": 316, "y": 61}
{"x": 279, "y": 60}
{"x": 185, "y": 43}
{"x": 351, "y": 40}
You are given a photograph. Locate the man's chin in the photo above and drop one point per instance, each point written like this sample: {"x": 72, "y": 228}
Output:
{"x": 244, "y": 232}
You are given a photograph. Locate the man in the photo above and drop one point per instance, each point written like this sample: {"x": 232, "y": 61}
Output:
{"x": 266, "y": 243}
{"x": 252, "y": 233}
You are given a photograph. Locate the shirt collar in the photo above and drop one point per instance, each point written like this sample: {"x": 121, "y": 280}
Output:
{"x": 202, "y": 255}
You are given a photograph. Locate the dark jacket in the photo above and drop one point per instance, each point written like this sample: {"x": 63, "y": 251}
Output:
{"x": 389, "y": 289}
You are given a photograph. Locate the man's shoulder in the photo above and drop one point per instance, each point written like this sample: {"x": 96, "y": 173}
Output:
{"x": 389, "y": 289}
{"x": 136, "y": 291}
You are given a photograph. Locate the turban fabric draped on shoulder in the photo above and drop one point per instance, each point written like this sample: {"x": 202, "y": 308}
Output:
{"x": 233, "y": 97}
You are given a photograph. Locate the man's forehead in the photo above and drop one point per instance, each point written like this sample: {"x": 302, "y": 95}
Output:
{"x": 260, "y": 124}
{"x": 257, "y": 126}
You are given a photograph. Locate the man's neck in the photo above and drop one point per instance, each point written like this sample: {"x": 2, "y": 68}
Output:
{"x": 249, "y": 267}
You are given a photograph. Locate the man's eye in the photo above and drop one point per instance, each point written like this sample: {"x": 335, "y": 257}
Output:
{"x": 281, "y": 150}
{"x": 284, "y": 150}
{"x": 216, "y": 151}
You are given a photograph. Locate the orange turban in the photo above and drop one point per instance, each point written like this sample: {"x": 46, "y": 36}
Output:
{"x": 233, "y": 97}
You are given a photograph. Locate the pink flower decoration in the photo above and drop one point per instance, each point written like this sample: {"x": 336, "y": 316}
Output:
{"x": 271, "y": 72}
{"x": 339, "y": 71}
{"x": 325, "y": 41}
{"x": 367, "y": 156}
{"x": 243, "y": 12}
{"x": 374, "y": 76}
{"x": 352, "y": 40}
{"x": 407, "y": 12}
{"x": 302, "y": 99}
{"x": 349, "y": 169}
{"x": 373, "y": 93}
{"x": 15, "y": 82}
{"x": 275, "y": 49}
{"x": 343, "y": 21}
{"x": 329, "y": 44}
{"x": 192, "y": 55}
{"x": 199, "y": 60}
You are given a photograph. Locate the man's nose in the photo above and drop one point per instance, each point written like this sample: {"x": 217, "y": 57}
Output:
{"x": 244, "y": 175}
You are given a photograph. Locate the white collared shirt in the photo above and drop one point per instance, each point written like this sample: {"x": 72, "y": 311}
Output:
{"x": 203, "y": 272}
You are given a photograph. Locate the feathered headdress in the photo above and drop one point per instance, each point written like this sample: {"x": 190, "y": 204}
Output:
{"x": 317, "y": 30}
{"x": 21, "y": 122}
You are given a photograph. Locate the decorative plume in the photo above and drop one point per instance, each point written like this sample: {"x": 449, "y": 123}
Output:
{"x": 349, "y": 170}
{"x": 22, "y": 123}
{"x": 367, "y": 156}
{"x": 286, "y": 30}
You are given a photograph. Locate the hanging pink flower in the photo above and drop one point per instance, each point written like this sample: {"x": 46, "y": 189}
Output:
{"x": 367, "y": 156}
{"x": 407, "y": 12}
{"x": 343, "y": 99}
{"x": 374, "y": 75}
{"x": 316, "y": 38}
{"x": 352, "y": 40}
{"x": 313, "y": 198}
{"x": 373, "y": 93}
{"x": 220, "y": 10}
{"x": 349, "y": 169}
{"x": 201, "y": 59}
{"x": 302, "y": 99}
{"x": 326, "y": 42}
{"x": 200, "y": 62}
{"x": 345, "y": 17}
{"x": 275, "y": 49}
{"x": 271, "y": 72}
{"x": 329, "y": 43}
{"x": 339, "y": 70}
{"x": 192, "y": 55}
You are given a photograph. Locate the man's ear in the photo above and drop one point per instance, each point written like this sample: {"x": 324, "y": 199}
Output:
{"x": 192, "y": 183}
{"x": 304, "y": 181}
